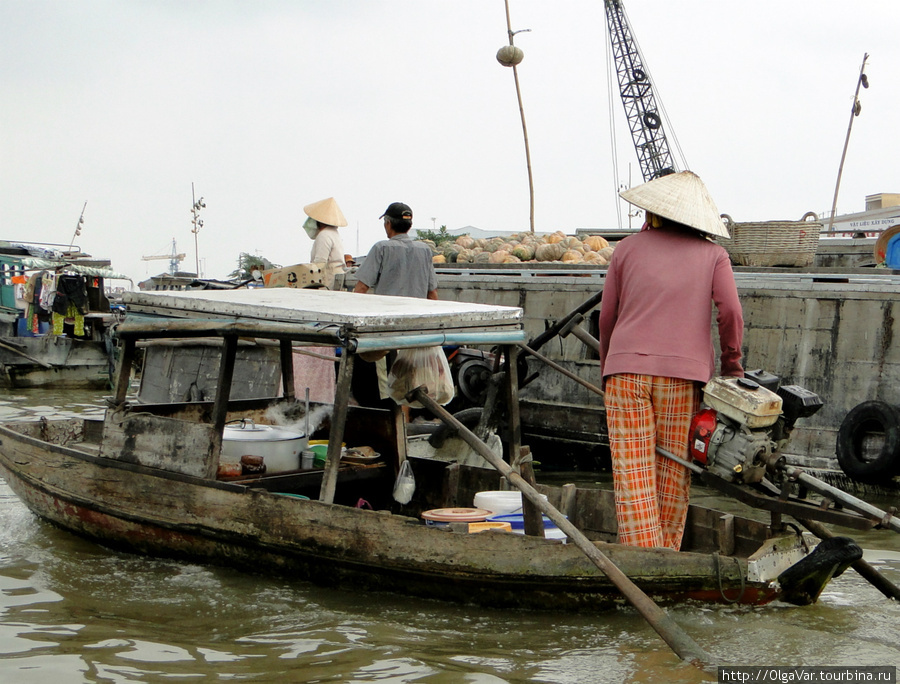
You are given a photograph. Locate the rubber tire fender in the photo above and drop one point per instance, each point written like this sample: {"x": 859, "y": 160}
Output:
{"x": 867, "y": 417}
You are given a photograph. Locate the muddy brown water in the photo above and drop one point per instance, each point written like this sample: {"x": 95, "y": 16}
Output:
{"x": 73, "y": 611}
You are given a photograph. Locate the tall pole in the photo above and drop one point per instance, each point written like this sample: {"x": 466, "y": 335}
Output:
{"x": 511, "y": 33}
{"x": 78, "y": 227}
{"x": 854, "y": 112}
{"x": 196, "y": 206}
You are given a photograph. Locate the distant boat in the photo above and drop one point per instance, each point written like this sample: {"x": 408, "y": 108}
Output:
{"x": 55, "y": 317}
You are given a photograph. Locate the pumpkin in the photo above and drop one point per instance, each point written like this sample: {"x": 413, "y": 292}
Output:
{"x": 498, "y": 257}
{"x": 465, "y": 241}
{"x": 595, "y": 243}
{"x": 553, "y": 238}
{"x": 439, "y": 259}
{"x": 549, "y": 252}
{"x": 524, "y": 252}
{"x": 572, "y": 256}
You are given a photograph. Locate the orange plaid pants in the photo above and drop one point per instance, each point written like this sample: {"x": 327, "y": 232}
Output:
{"x": 643, "y": 411}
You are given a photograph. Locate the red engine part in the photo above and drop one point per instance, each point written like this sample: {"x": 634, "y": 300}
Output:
{"x": 702, "y": 427}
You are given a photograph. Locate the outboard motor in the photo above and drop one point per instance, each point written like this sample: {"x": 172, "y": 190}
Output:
{"x": 744, "y": 424}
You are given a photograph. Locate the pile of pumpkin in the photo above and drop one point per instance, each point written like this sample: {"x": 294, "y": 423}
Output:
{"x": 523, "y": 247}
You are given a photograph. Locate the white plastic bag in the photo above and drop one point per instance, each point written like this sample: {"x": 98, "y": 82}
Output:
{"x": 421, "y": 366}
{"x": 405, "y": 486}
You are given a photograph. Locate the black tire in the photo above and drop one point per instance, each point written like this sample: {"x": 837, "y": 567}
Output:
{"x": 871, "y": 419}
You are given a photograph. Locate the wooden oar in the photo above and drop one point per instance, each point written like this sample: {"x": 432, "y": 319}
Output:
{"x": 679, "y": 641}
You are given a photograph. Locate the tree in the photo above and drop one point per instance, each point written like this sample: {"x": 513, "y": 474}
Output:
{"x": 246, "y": 265}
{"x": 438, "y": 237}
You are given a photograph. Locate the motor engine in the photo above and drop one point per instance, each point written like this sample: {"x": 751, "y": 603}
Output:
{"x": 744, "y": 424}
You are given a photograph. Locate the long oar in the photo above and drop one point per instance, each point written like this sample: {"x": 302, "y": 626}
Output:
{"x": 682, "y": 644}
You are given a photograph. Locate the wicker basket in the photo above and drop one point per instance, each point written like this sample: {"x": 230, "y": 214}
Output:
{"x": 773, "y": 243}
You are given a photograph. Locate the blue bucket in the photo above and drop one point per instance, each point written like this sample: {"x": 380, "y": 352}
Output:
{"x": 517, "y": 522}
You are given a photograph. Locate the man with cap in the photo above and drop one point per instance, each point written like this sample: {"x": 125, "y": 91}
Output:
{"x": 399, "y": 265}
{"x": 656, "y": 349}
{"x": 325, "y": 216}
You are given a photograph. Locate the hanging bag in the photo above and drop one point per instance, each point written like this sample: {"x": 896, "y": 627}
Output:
{"x": 405, "y": 486}
{"x": 421, "y": 366}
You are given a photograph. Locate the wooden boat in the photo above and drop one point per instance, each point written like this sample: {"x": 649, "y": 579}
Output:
{"x": 30, "y": 354}
{"x": 145, "y": 478}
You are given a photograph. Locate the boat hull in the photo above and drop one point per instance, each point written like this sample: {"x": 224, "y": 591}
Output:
{"x": 54, "y": 361}
{"x": 148, "y": 511}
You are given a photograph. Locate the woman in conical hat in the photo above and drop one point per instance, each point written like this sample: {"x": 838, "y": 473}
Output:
{"x": 656, "y": 349}
{"x": 325, "y": 217}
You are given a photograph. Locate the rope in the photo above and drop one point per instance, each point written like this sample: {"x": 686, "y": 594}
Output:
{"x": 719, "y": 578}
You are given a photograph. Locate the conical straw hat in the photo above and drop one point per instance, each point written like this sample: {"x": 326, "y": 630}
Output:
{"x": 326, "y": 211}
{"x": 680, "y": 197}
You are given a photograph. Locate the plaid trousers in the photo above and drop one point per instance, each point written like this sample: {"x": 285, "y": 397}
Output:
{"x": 643, "y": 411}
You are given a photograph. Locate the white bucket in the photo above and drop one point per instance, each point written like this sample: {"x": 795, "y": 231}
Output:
{"x": 500, "y": 502}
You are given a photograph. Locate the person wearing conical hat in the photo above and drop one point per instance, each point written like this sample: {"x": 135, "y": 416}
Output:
{"x": 656, "y": 349}
{"x": 325, "y": 217}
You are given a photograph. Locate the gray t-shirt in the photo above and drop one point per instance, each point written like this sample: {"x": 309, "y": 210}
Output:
{"x": 399, "y": 266}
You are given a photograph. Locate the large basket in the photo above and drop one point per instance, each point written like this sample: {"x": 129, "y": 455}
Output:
{"x": 773, "y": 243}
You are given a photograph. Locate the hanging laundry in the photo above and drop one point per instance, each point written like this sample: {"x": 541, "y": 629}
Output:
{"x": 48, "y": 291}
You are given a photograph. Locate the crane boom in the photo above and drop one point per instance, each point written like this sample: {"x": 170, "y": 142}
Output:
{"x": 174, "y": 258}
{"x": 636, "y": 91}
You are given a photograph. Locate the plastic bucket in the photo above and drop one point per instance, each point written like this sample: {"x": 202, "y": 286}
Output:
{"x": 500, "y": 502}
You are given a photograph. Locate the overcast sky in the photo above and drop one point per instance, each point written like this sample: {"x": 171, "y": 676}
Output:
{"x": 267, "y": 106}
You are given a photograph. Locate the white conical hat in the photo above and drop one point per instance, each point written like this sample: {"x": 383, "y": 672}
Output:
{"x": 681, "y": 197}
{"x": 326, "y": 211}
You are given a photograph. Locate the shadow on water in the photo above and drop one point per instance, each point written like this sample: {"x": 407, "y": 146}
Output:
{"x": 72, "y": 611}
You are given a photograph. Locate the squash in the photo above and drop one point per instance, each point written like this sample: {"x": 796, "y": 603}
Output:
{"x": 595, "y": 243}
{"x": 498, "y": 257}
{"x": 523, "y": 252}
{"x": 549, "y": 252}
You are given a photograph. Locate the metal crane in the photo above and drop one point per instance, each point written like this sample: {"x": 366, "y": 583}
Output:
{"x": 174, "y": 258}
{"x": 641, "y": 110}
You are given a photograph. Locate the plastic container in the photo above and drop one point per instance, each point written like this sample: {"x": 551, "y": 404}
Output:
{"x": 307, "y": 459}
{"x": 517, "y": 523}
{"x": 319, "y": 447}
{"x": 500, "y": 502}
{"x": 742, "y": 400}
{"x": 487, "y": 525}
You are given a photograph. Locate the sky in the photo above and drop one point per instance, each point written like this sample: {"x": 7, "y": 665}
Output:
{"x": 264, "y": 107}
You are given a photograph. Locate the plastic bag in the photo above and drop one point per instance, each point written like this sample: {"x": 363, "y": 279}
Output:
{"x": 405, "y": 486}
{"x": 421, "y": 366}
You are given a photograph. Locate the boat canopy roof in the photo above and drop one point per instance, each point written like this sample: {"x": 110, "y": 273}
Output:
{"x": 51, "y": 264}
{"x": 360, "y": 322}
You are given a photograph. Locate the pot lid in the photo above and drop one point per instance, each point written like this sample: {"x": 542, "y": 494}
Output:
{"x": 253, "y": 432}
{"x": 456, "y": 514}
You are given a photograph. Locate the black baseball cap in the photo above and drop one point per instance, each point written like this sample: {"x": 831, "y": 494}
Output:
{"x": 398, "y": 210}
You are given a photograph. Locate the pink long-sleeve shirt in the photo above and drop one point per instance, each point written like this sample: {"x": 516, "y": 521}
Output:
{"x": 656, "y": 314}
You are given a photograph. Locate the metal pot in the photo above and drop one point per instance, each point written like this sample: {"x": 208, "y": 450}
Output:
{"x": 279, "y": 447}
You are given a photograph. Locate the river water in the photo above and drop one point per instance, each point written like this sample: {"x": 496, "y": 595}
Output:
{"x": 72, "y": 611}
